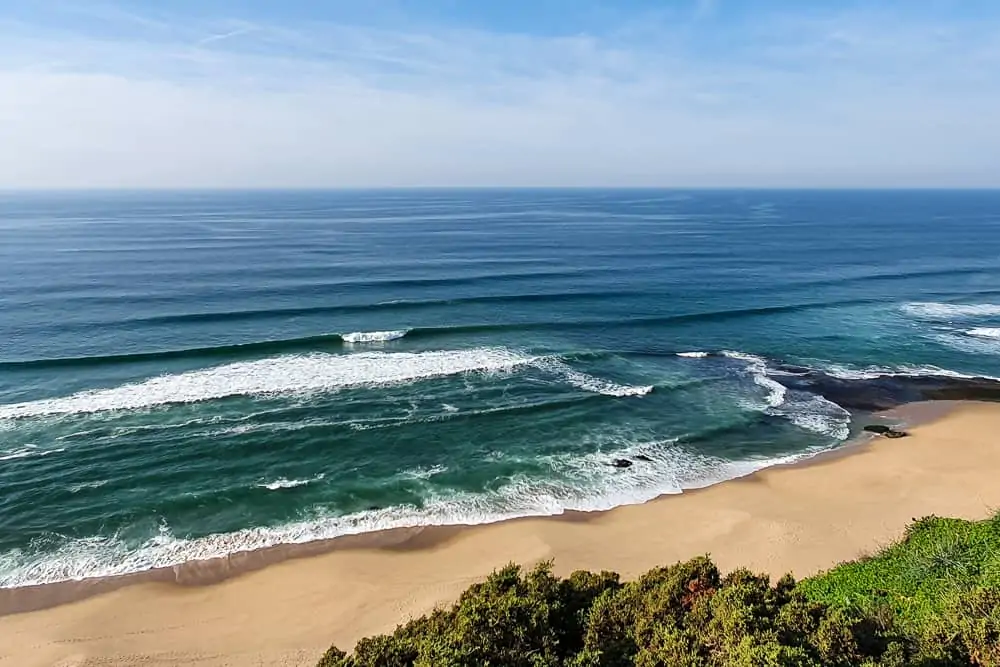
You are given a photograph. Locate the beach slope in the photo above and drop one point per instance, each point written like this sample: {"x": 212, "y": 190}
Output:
{"x": 802, "y": 519}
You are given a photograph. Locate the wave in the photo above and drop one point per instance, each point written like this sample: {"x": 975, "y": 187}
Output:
{"x": 590, "y": 383}
{"x": 283, "y": 483}
{"x": 948, "y": 311}
{"x": 77, "y": 488}
{"x": 423, "y": 473}
{"x": 275, "y": 376}
{"x": 231, "y": 316}
{"x": 28, "y": 451}
{"x": 805, "y": 410}
{"x": 571, "y": 483}
{"x": 373, "y": 336}
{"x": 305, "y": 374}
{"x": 311, "y": 343}
{"x": 694, "y": 355}
{"x": 845, "y": 372}
{"x": 971, "y": 343}
{"x": 307, "y": 343}
{"x": 757, "y": 366}
{"x": 993, "y": 333}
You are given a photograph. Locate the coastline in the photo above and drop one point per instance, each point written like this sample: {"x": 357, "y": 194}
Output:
{"x": 286, "y": 604}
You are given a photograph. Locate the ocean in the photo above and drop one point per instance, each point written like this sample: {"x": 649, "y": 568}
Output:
{"x": 185, "y": 375}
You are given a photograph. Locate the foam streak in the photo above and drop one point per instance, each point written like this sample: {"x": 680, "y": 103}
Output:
{"x": 278, "y": 375}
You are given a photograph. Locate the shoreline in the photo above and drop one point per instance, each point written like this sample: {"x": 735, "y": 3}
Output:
{"x": 286, "y": 604}
{"x": 211, "y": 571}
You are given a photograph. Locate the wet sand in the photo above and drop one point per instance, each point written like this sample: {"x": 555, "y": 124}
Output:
{"x": 802, "y": 518}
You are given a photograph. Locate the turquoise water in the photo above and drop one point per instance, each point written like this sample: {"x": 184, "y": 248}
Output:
{"x": 184, "y": 375}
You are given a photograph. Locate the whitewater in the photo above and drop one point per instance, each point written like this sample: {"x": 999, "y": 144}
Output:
{"x": 188, "y": 377}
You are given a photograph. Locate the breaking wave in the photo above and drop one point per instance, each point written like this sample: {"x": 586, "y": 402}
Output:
{"x": 572, "y": 483}
{"x": 591, "y": 383}
{"x": 373, "y": 336}
{"x": 28, "y": 451}
{"x": 948, "y": 311}
{"x": 279, "y": 375}
{"x": 806, "y": 410}
{"x": 282, "y": 483}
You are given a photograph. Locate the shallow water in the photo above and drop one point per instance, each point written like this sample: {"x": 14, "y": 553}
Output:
{"x": 183, "y": 375}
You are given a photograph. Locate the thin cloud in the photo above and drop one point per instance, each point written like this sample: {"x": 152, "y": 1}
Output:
{"x": 211, "y": 39}
{"x": 832, "y": 99}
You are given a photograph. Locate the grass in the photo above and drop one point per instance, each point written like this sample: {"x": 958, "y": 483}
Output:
{"x": 919, "y": 578}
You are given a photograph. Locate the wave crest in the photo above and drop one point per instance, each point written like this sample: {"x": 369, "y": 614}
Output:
{"x": 572, "y": 483}
{"x": 591, "y": 383}
{"x": 985, "y": 332}
{"x": 283, "y": 483}
{"x": 273, "y": 376}
{"x": 373, "y": 336}
{"x": 938, "y": 311}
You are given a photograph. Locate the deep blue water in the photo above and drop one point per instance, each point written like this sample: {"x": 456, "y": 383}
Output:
{"x": 177, "y": 377}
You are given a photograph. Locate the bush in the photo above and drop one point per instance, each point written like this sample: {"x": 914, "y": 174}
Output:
{"x": 932, "y": 600}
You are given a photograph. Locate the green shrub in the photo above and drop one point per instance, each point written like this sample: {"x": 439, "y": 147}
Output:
{"x": 932, "y": 600}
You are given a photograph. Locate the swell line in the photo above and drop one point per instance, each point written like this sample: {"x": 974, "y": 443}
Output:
{"x": 220, "y": 351}
{"x": 222, "y": 317}
{"x": 311, "y": 343}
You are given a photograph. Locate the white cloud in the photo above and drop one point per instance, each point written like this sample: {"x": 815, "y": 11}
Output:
{"x": 849, "y": 99}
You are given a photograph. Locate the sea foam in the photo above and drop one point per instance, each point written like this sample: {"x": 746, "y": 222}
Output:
{"x": 906, "y": 370}
{"x": 947, "y": 311}
{"x": 590, "y": 383}
{"x": 807, "y": 411}
{"x": 283, "y": 483}
{"x": 28, "y": 451}
{"x": 277, "y": 375}
{"x": 571, "y": 483}
{"x": 986, "y": 332}
{"x": 373, "y": 336}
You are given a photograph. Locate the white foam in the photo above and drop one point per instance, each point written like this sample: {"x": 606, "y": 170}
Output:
{"x": 76, "y": 488}
{"x": 277, "y": 375}
{"x": 283, "y": 483}
{"x": 968, "y": 343}
{"x": 757, "y": 366}
{"x": 590, "y": 383}
{"x": 993, "y": 333}
{"x": 817, "y": 414}
{"x": 807, "y": 411}
{"x": 373, "y": 336}
{"x": 874, "y": 372}
{"x": 694, "y": 355}
{"x": 423, "y": 473}
{"x": 947, "y": 311}
{"x": 573, "y": 483}
{"x": 28, "y": 451}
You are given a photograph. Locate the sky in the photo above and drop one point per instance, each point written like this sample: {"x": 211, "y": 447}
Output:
{"x": 548, "y": 93}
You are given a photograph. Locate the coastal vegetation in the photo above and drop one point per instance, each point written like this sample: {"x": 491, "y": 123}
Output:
{"x": 932, "y": 600}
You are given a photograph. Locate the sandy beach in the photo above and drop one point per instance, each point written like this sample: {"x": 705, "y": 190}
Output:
{"x": 802, "y": 518}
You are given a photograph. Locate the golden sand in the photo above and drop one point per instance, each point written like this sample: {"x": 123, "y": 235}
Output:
{"x": 803, "y": 519}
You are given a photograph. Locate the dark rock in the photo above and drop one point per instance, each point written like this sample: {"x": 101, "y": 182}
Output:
{"x": 885, "y": 431}
{"x": 643, "y": 457}
{"x": 884, "y": 391}
{"x": 374, "y": 508}
{"x": 621, "y": 463}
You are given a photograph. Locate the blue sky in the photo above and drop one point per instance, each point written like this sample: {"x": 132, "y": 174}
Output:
{"x": 703, "y": 93}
